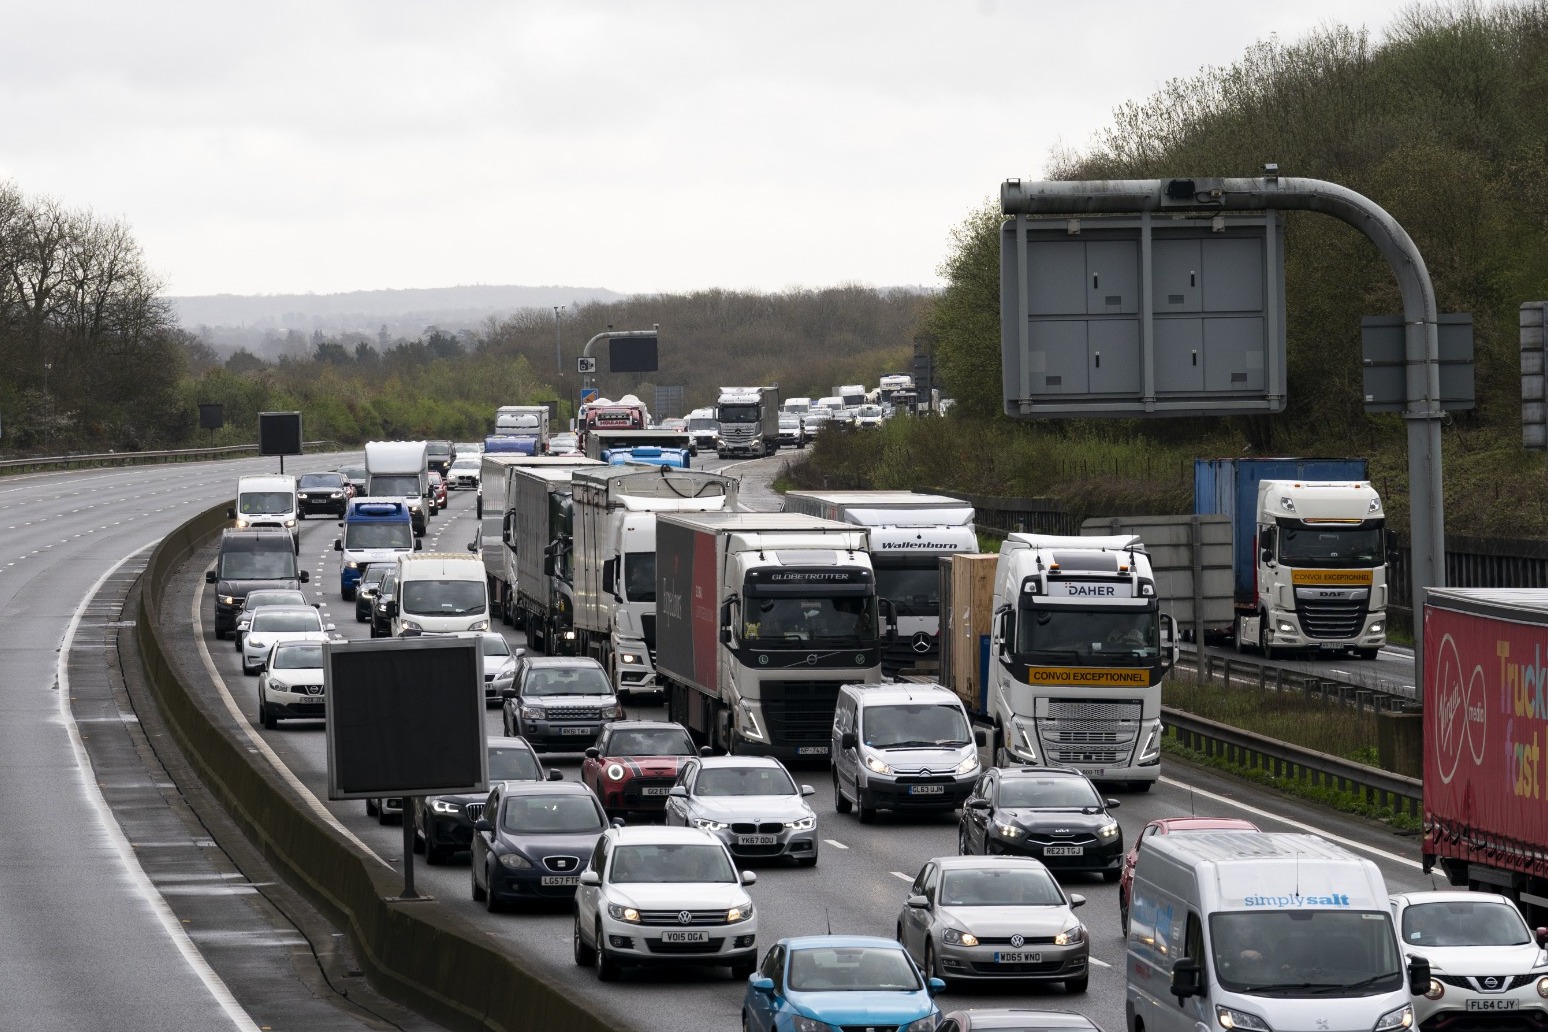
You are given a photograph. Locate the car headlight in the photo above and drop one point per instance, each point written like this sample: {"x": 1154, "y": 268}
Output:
{"x": 1397, "y": 1018}
{"x": 613, "y": 712}
{"x": 410, "y": 625}
{"x": 533, "y": 713}
{"x": 569, "y": 635}
{"x": 953, "y": 937}
{"x": 290, "y": 523}
{"x": 877, "y": 765}
{"x": 628, "y": 658}
{"x": 1108, "y": 831}
{"x": 336, "y": 494}
{"x": 736, "y": 914}
{"x": 1007, "y": 830}
{"x": 707, "y": 824}
{"x": 228, "y": 600}
{"x": 481, "y": 625}
{"x": 254, "y": 643}
{"x": 804, "y": 824}
{"x": 1542, "y": 987}
{"x": 515, "y": 862}
{"x": 444, "y": 806}
{"x": 1231, "y": 1018}
{"x": 1072, "y": 936}
{"x": 924, "y": 1024}
{"x": 619, "y": 912}
{"x": 968, "y": 765}
{"x": 278, "y": 686}
{"x": 615, "y": 772}
{"x": 800, "y": 1023}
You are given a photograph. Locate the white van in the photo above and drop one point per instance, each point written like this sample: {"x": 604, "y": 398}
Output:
{"x": 440, "y": 592}
{"x": 1267, "y": 932}
{"x": 267, "y": 501}
{"x": 901, "y": 747}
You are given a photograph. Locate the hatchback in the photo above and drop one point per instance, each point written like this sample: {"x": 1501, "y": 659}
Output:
{"x": 1053, "y": 814}
{"x": 839, "y": 981}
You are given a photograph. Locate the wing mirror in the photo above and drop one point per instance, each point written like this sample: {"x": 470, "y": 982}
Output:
{"x": 305, "y": 577}
{"x": 980, "y": 737}
{"x": 808, "y": 790}
{"x": 556, "y": 775}
{"x": 919, "y": 902}
{"x": 749, "y": 878}
{"x": 338, "y": 544}
{"x": 1418, "y": 975}
{"x": 1077, "y": 900}
{"x": 1188, "y": 979}
{"x": 483, "y": 824}
{"x": 706, "y": 750}
{"x": 848, "y": 740}
{"x": 677, "y": 792}
{"x": 210, "y": 577}
{"x": 590, "y": 878}
{"x": 936, "y": 985}
{"x": 978, "y": 804}
{"x": 592, "y": 753}
{"x": 1112, "y": 804}
{"x": 761, "y": 983}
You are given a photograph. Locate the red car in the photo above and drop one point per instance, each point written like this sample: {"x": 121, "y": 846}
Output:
{"x": 1167, "y": 826}
{"x": 438, "y": 488}
{"x": 634, "y": 764}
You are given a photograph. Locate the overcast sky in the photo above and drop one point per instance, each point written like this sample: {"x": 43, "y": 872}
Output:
{"x": 638, "y": 145}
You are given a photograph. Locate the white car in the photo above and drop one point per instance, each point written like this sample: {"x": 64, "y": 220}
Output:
{"x": 291, "y": 684}
{"x": 465, "y": 471}
{"x": 271, "y": 623}
{"x": 664, "y": 895}
{"x": 1483, "y": 957}
{"x": 264, "y": 597}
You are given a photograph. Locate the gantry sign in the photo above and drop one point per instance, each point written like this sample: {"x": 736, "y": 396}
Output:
{"x": 1050, "y": 329}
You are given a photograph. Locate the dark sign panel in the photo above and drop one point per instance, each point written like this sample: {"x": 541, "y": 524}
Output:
{"x": 405, "y": 717}
{"x": 211, "y": 416}
{"x": 279, "y": 433}
{"x": 631, "y": 354}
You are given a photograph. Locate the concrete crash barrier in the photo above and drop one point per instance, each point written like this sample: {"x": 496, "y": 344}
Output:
{"x": 422, "y": 954}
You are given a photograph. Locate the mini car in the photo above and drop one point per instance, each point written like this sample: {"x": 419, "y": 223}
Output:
{"x": 438, "y": 489}
{"x": 635, "y": 764}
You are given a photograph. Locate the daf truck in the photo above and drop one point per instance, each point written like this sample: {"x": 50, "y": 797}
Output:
{"x": 1078, "y": 648}
{"x": 615, "y": 512}
{"x": 1309, "y": 553}
{"x": 909, "y": 534}
{"x": 749, "y": 421}
{"x": 401, "y": 469}
{"x": 760, "y": 617}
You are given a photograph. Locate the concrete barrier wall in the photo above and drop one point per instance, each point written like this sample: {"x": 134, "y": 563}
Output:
{"x": 423, "y": 953}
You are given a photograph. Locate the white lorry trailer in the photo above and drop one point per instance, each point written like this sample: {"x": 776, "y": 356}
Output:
{"x": 614, "y": 517}
{"x": 760, "y": 617}
{"x": 401, "y": 469}
{"x": 749, "y": 421}
{"x": 1078, "y": 647}
{"x": 540, "y": 533}
{"x": 909, "y": 534}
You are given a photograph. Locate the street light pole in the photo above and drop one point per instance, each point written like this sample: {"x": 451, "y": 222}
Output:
{"x": 558, "y": 342}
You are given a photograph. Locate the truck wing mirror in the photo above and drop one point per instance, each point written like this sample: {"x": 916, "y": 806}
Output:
{"x": 473, "y": 546}
{"x": 1187, "y": 979}
{"x": 338, "y": 544}
{"x": 608, "y": 577}
{"x": 1418, "y": 975}
{"x": 1171, "y": 651}
{"x": 548, "y": 566}
{"x": 725, "y": 622}
{"x": 1267, "y": 555}
{"x": 1393, "y": 551}
{"x": 892, "y": 618}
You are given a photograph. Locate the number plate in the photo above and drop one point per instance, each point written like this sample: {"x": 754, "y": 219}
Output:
{"x": 685, "y": 936}
{"x": 1064, "y": 850}
{"x": 561, "y": 879}
{"x": 1325, "y": 647}
{"x": 655, "y": 790}
{"x": 577, "y": 730}
{"x": 757, "y": 840}
{"x": 1018, "y": 958}
{"x": 1492, "y": 1005}
{"x": 812, "y": 750}
{"x": 926, "y": 789}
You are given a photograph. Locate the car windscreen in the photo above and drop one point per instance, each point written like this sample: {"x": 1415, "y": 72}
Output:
{"x": 507, "y": 763}
{"x": 466, "y": 464}
{"x": 851, "y": 968}
{"x": 671, "y": 862}
{"x": 1000, "y": 887}
{"x": 579, "y": 680}
{"x": 1305, "y": 954}
{"x": 743, "y": 781}
{"x": 494, "y": 645}
{"x": 1058, "y": 792}
{"x": 397, "y": 534}
{"x": 443, "y": 597}
{"x": 918, "y": 725}
{"x": 372, "y": 575}
{"x": 275, "y": 565}
{"x": 1464, "y": 923}
{"x": 640, "y": 576}
{"x": 551, "y": 815}
{"x": 660, "y": 742}
{"x": 258, "y": 503}
{"x": 298, "y": 657}
{"x": 320, "y": 482}
{"x": 270, "y": 597}
{"x": 272, "y": 622}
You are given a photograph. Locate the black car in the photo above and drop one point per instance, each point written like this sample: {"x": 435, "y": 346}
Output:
{"x": 356, "y": 475}
{"x": 382, "y": 605}
{"x": 1052, "y": 814}
{"x": 249, "y": 559}
{"x": 532, "y": 840}
{"x": 322, "y": 492}
{"x": 365, "y": 589}
{"x": 443, "y": 824}
{"x": 559, "y": 702}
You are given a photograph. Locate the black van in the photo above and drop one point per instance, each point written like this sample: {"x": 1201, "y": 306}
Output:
{"x": 258, "y": 557}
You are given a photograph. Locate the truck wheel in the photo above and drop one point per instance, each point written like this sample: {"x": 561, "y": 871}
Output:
{"x": 1365, "y": 653}
{"x": 1269, "y": 651}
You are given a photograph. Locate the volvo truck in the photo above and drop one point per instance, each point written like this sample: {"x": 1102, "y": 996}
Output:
{"x": 909, "y": 534}
{"x": 614, "y": 517}
{"x": 760, "y": 617}
{"x": 1078, "y": 648}
{"x": 749, "y": 421}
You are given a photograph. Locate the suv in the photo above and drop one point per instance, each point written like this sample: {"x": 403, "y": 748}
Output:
{"x": 1052, "y": 814}
{"x": 559, "y": 702}
{"x": 261, "y": 557}
{"x": 664, "y": 895}
{"x": 901, "y": 747}
{"x": 323, "y": 492}
{"x": 1483, "y": 958}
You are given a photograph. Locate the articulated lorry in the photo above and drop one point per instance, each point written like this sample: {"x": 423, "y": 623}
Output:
{"x": 1309, "y": 553}
{"x": 1485, "y": 731}
{"x": 749, "y": 421}
{"x": 1078, "y": 648}
{"x": 614, "y": 516}
{"x": 909, "y": 534}
{"x": 540, "y": 533}
{"x": 652, "y": 447}
{"x": 401, "y": 469}
{"x": 760, "y": 617}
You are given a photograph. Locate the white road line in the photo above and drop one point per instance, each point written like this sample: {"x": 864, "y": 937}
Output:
{"x": 835, "y": 843}
{"x": 899, "y": 874}
{"x": 1395, "y": 858}
{"x": 1098, "y": 963}
{"x": 213, "y": 983}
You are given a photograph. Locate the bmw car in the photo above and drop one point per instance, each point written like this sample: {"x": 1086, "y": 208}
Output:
{"x": 750, "y": 802}
{"x": 1053, "y": 814}
{"x": 443, "y": 824}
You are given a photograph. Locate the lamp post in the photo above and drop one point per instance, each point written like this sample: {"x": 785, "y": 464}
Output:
{"x": 558, "y": 342}
{"x": 48, "y": 404}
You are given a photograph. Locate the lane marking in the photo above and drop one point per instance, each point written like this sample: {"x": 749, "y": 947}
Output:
{"x": 1098, "y": 963}
{"x": 900, "y": 874}
{"x": 213, "y": 983}
{"x": 1394, "y": 857}
{"x": 835, "y": 843}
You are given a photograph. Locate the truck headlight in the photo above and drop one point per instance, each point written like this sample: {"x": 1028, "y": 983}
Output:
{"x": 290, "y": 523}
{"x": 1377, "y": 627}
{"x": 1028, "y": 740}
{"x": 1230, "y": 1018}
{"x": 1397, "y": 1018}
{"x": 628, "y": 659}
{"x": 877, "y": 765}
{"x": 1286, "y": 627}
{"x": 240, "y": 522}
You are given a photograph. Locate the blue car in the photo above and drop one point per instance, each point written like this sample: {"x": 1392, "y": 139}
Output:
{"x": 822, "y": 983}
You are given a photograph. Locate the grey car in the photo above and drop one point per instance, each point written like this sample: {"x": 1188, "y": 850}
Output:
{"x": 264, "y": 597}
{"x": 995, "y": 918}
{"x": 559, "y": 702}
{"x": 273, "y": 623}
{"x": 750, "y": 802}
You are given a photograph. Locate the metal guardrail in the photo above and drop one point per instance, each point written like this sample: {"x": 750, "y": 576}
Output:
{"x": 1380, "y": 788}
{"x": 134, "y": 458}
{"x": 1361, "y": 689}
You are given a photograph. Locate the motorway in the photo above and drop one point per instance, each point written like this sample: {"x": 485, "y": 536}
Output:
{"x": 119, "y": 911}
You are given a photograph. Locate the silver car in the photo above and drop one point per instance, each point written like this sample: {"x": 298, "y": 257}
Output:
{"x": 995, "y": 918}
{"x": 272, "y": 623}
{"x": 750, "y": 802}
{"x": 264, "y": 597}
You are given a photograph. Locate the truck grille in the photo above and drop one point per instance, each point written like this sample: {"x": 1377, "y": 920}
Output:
{"x": 800, "y": 712}
{"x": 1331, "y": 618}
{"x": 1090, "y": 732}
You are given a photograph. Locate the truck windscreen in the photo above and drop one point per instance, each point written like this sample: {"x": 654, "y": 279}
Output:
{"x": 640, "y": 577}
{"x": 1322, "y": 545}
{"x": 442, "y": 597}
{"x": 258, "y": 503}
{"x": 1305, "y": 953}
{"x": 846, "y": 621}
{"x": 739, "y": 414}
{"x": 267, "y": 565}
{"x": 397, "y": 534}
{"x": 913, "y": 585}
{"x": 1122, "y": 637}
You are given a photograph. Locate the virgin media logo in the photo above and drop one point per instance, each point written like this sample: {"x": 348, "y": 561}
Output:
{"x": 1462, "y": 722}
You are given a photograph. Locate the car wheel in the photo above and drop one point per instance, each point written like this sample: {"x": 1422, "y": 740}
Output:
{"x": 266, "y": 715}
{"x": 1111, "y": 876}
{"x": 964, "y": 847}
{"x": 607, "y": 967}
{"x": 840, "y": 804}
{"x": 585, "y": 956}
{"x": 867, "y": 814}
{"x": 492, "y": 902}
{"x": 1123, "y": 915}
{"x": 1269, "y": 651}
{"x": 371, "y": 809}
{"x": 435, "y": 855}
{"x": 1078, "y": 985}
{"x": 384, "y": 817}
{"x": 742, "y": 969}
{"x": 478, "y": 892}
{"x": 931, "y": 964}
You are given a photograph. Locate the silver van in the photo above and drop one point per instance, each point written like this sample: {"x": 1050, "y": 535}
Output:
{"x": 901, "y": 747}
